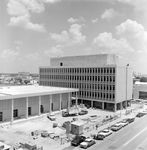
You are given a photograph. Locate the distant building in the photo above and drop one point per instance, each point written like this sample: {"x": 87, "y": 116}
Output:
{"x": 140, "y": 90}
{"x": 23, "y": 74}
{"x": 102, "y": 83}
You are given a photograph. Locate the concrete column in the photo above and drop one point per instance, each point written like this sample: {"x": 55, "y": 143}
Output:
{"x": 91, "y": 104}
{"x": 60, "y": 107}
{"x": 12, "y": 109}
{"x": 50, "y": 103}
{"x": 103, "y": 105}
{"x": 120, "y": 105}
{"x": 39, "y": 105}
{"x": 126, "y": 104}
{"x": 69, "y": 100}
{"x": 82, "y": 101}
{"x": 26, "y": 107}
{"x": 115, "y": 105}
{"x": 76, "y": 99}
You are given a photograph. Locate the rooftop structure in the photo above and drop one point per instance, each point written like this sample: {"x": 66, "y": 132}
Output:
{"x": 85, "y": 60}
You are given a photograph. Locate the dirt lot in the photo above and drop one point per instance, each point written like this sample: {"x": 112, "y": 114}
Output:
{"x": 21, "y": 132}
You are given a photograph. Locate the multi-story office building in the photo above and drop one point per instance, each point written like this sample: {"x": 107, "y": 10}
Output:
{"x": 102, "y": 83}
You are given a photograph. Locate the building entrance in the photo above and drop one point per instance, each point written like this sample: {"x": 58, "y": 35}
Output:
{"x": 29, "y": 111}
{"x": 1, "y": 116}
{"x": 42, "y": 109}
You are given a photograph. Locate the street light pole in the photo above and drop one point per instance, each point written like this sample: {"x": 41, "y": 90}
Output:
{"x": 126, "y": 83}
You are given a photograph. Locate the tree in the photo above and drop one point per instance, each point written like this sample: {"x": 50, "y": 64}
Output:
{"x": 26, "y": 81}
{"x": 137, "y": 77}
{"x": 143, "y": 79}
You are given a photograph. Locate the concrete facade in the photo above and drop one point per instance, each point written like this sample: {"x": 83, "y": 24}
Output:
{"x": 101, "y": 82}
{"x": 24, "y": 102}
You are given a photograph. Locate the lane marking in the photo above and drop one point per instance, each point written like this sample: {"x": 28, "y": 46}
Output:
{"x": 141, "y": 144}
{"x": 121, "y": 137}
{"x": 134, "y": 137}
{"x": 127, "y": 133}
{"x": 139, "y": 124}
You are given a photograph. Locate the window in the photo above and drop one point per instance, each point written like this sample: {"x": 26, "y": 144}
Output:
{"x": 113, "y": 70}
{"x": 113, "y": 88}
{"x": 95, "y": 70}
{"x": 113, "y": 96}
{"x": 98, "y": 78}
{"x": 90, "y": 70}
{"x": 110, "y": 70}
{"x": 101, "y": 70}
{"x": 113, "y": 78}
{"x": 95, "y": 78}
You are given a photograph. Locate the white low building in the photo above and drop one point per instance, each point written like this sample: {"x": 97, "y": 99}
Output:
{"x": 24, "y": 101}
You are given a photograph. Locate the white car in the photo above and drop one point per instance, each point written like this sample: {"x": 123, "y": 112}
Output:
{"x": 105, "y": 132}
{"x": 51, "y": 116}
{"x": 87, "y": 143}
{"x": 116, "y": 127}
{"x": 124, "y": 122}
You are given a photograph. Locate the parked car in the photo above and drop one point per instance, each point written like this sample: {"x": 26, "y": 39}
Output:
{"x": 98, "y": 136}
{"x": 124, "y": 122}
{"x": 130, "y": 120}
{"x": 83, "y": 112}
{"x": 116, "y": 127}
{"x": 93, "y": 117}
{"x": 145, "y": 112}
{"x": 51, "y": 116}
{"x": 87, "y": 143}
{"x": 105, "y": 132}
{"x": 140, "y": 114}
{"x": 77, "y": 140}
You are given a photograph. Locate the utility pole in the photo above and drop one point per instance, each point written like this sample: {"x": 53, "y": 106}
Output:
{"x": 126, "y": 84}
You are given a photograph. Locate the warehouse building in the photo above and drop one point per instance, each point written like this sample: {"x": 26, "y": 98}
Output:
{"x": 18, "y": 102}
{"x": 102, "y": 83}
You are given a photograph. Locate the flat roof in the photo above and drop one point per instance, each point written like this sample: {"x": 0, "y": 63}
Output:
{"x": 90, "y": 66}
{"x": 78, "y": 123}
{"x": 9, "y": 92}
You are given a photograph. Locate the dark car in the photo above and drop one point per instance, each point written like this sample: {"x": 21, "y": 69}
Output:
{"x": 77, "y": 140}
{"x": 98, "y": 136}
{"x": 83, "y": 112}
{"x": 140, "y": 114}
{"x": 130, "y": 120}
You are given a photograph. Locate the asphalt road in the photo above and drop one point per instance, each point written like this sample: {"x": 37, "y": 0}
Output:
{"x": 131, "y": 137}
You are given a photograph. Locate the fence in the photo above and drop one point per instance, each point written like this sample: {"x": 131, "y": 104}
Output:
{"x": 97, "y": 124}
{"x": 133, "y": 110}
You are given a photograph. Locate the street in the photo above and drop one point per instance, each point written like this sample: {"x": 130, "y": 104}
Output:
{"x": 131, "y": 137}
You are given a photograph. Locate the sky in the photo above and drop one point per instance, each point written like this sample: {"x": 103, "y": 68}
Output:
{"x": 33, "y": 31}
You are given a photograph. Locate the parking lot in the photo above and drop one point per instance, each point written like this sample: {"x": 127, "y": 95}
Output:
{"x": 22, "y": 130}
